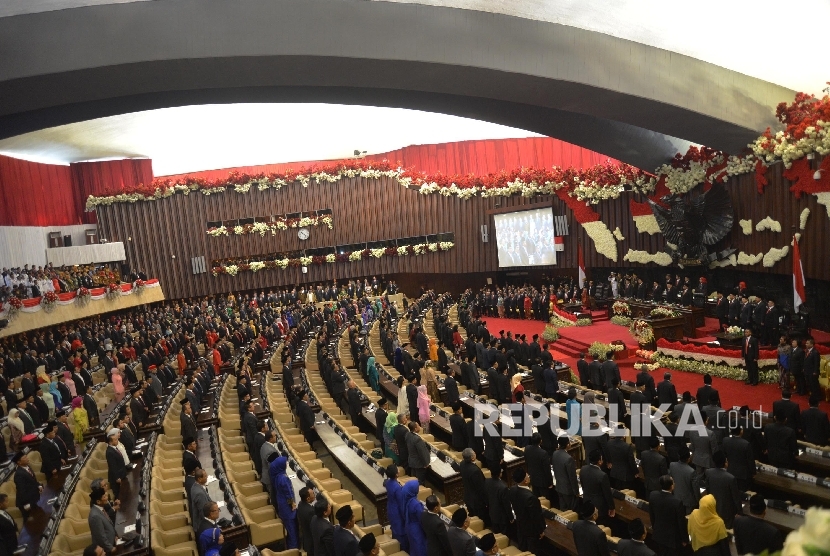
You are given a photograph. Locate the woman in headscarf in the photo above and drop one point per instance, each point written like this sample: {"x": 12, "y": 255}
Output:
{"x": 573, "y": 410}
{"x": 210, "y": 541}
{"x": 118, "y": 382}
{"x": 69, "y": 383}
{"x": 707, "y": 530}
{"x": 394, "y": 510}
{"x": 403, "y": 400}
{"x": 48, "y": 400}
{"x": 389, "y": 436}
{"x": 16, "y": 428}
{"x": 56, "y": 395}
{"x": 516, "y": 385}
{"x": 423, "y": 407}
{"x": 286, "y": 503}
{"x": 398, "y": 363}
{"x": 80, "y": 419}
{"x": 433, "y": 349}
{"x": 429, "y": 379}
{"x": 372, "y": 372}
{"x": 413, "y": 510}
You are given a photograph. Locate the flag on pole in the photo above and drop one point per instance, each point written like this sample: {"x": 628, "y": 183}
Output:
{"x": 581, "y": 263}
{"x": 799, "y": 295}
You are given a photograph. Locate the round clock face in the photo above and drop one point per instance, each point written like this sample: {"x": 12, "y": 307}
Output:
{"x": 303, "y": 233}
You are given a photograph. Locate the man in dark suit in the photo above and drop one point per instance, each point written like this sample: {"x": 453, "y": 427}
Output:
{"x": 654, "y": 465}
{"x": 530, "y": 523}
{"x": 28, "y": 489}
{"x": 342, "y": 537}
{"x": 647, "y": 380}
{"x": 740, "y": 456}
{"x": 399, "y": 433}
{"x": 589, "y": 539}
{"x": 538, "y": 466}
{"x": 322, "y": 531}
{"x": 305, "y": 513}
{"x": 668, "y": 519}
{"x": 8, "y": 530}
{"x": 812, "y": 367}
{"x": 199, "y": 497}
{"x": 259, "y": 440}
{"x": 722, "y": 311}
{"x": 666, "y": 392}
{"x": 753, "y": 535}
{"x": 771, "y": 323}
{"x": 472, "y": 478}
{"x": 189, "y": 453}
{"x": 188, "y": 423}
{"x": 635, "y": 546}
{"x": 704, "y": 391}
{"x": 101, "y": 528}
{"x": 458, "y": 425}
{"x": 797, "y": 368}
{"x": 116, "y": 465}
{"x": 610, "y": 370}
{"x": 582, "y": 368}
{"x": 790, "y": 410}
{"x": 380, "y": 422}
{"x": 354, "y": 401}
{"x": 498, "y": 501}
{"x": 450, "y": 385}
{"x": 616, "y": 399}
{"x": 621, "y": 460}
{"x": 596, "y": 487}
{"x": 564, "y": 469}
{"x": 306, "y": 417}
{"x": 722, "y": 485}
{"x": 438, "y": 541}
{"x": 50, "y": 453}
{"x": 749, "y": 352}
{"x": 596, "y": 378}
{"x": 782, "y": 446}
{"x": 249, "y": 425}
{"x": 462, "y": 543}
{"x": 814, "y": 424}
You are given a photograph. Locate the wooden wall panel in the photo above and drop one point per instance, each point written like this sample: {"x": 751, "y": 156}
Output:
{"x": 372, "y": 210}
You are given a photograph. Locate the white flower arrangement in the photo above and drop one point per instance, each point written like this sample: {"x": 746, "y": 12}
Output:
{"x": 641, "y": 331}
{"x": 550, "y": 334}
{"x": 746, "y": 226}
{"x": 618, "y": 234}
{"x": 802, "y": 219}
{"x": 257, "y": 265}
{"x": 402, "y": 251}
{"x": 603, "y": 239}
{"x": 238, "y": 230}
{"x": 621, "y": 320}
{"x": 281, "y": 225}
{"x": 282, "y": 263}
{"x": 788, "y": 149}
{"x": 734, "y": 330}
{"x": 305, "y": 261}
{"x": 242, "y": 188}
{"x": 812, "y": 538}
{"x": 331, "y": 258}
{"x": 433, "y": 247}
{"x": 749, "y": 259}
{"x": 768, "y": 224}
{"x": 560, "y": 322}
{"x": 377, "y": 253}
{"x": 714, "y": 369}
{"x": 644, "y": 257}
{"x": 647, "y": 224}
{"x": 355, "y": 255}
{"x": 328, "y": 221}
{"x": 232, "y": 269}
{"x": 774, "y": 255}
{"x": 216, "y": 232}
{"x": 262, "y": 228}
{"x": 446, "y": 245}
{"x": 583, "y": 322}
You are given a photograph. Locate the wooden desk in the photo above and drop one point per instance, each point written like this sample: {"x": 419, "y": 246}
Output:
{"x": 364, "y": 475}
{"x": 813, "y": 464}
{"x": 629, "y": 511}
{"x": 796, "y": 491}
{"x": 559, "y": 534}
{"x": 784, "y": 521}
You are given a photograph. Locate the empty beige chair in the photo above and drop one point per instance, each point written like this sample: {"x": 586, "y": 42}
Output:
{"x": 169, "y": 523}
{"x": 173, "y": 543}
{"x": 66, "y": 545}
{"x": 265, "y": 528}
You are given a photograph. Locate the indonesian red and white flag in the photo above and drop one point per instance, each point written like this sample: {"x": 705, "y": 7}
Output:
{"x": 799, "y": 295}
{"x": 581, "y": 263}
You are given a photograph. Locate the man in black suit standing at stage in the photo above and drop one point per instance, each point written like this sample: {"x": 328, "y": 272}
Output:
{"x": 582, "y": 369}
{"x": 749, "y": 352}
{"x": 812, "y": 366}
{"x": 722, "y": 311}
{"x": 771, "y": 324}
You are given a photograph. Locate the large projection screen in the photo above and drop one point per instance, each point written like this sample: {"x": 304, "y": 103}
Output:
{"x": 525, "y": 238}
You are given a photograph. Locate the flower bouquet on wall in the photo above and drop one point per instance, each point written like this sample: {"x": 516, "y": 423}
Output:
{"x": 138, "y": 286}
{"x": 49, "y": 301}
{"x": 82, "y": 297}
{"x": 113, "y": 291}
{"x": 642, "y": 332}
{"x": 14, "y": 307}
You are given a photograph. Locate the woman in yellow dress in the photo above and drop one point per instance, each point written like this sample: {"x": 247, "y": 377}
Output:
{"x": 80, "y": 419}
{"x": 433, "y": 349}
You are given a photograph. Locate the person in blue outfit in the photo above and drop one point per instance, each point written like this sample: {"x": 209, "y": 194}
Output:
{"x": 394, "y": 506}
{"x": 284, "y": 499}
{"x": 414, "y": 508}
{"x": 210, "y": 541}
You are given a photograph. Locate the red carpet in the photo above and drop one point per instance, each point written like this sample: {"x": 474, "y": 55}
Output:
{"x": 732, "y": 392}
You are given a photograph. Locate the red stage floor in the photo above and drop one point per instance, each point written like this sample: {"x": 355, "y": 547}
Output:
{"x": 732, "y": 392}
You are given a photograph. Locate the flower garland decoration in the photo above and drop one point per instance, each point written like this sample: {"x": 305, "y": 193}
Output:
{"x": 802, "y": 219}
{"x": 645, "y": 354}
{"x": 621, "y": 320}
{"x": 768, "y": 224}
{"x": 644, "y": 257}
{"x": 746, "y": 226}
{"x": 280, "y": 224}
{"x": 714, "y": 369}
{"x": 550, "y": 334}
{"x": 113, "y": 291}
{"x": 49, "y": 301}
{"x": 138, "y": 286}
{"x": 599, "y": 350}
{"x": 83, "y": 297}
{"x": 642, "y": 331}
{"x": 621, "y": 308}
{"x": 560, "y": 322}
{"x": 583, "y": 322}
{"x": 15, "y": 304}
{"x": 663, "y": 313}
{"x": 234, "y": 268}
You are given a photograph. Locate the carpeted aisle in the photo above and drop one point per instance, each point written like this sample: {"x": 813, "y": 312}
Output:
{"x": 732, "y": 392}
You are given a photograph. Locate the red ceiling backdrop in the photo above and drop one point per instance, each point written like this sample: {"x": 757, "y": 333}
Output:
{"x": 34, "y": 194}
{"x": 464, "y": 157}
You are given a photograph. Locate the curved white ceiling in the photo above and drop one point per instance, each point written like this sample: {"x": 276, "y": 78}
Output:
{"x": 747, "y": 36}
{"x": 206, "y": 137}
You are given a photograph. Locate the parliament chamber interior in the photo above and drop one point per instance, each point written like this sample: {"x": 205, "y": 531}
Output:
{"x": 411, "y": 278}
